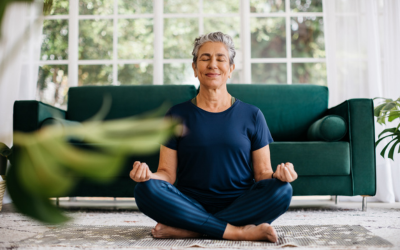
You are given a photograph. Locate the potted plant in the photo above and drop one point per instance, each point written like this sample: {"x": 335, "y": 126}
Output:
{"x": 389, "y": 109}
{"x": 4, "y": 153}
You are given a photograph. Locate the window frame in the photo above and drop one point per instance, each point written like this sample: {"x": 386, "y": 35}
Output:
{"x": 158, "y": 60}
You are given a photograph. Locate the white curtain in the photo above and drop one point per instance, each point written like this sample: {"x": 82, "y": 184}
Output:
{"x": 363, "y": 61}
{"x": 18, "y": 76}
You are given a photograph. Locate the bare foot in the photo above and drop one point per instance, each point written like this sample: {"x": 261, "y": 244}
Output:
{"x": 164, "y": 232}
{"x": 263, "y": 231}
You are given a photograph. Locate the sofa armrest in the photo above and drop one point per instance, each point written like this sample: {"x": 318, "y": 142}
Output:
{"x": 359, "y": 115}
{"x": 28, "y": 115}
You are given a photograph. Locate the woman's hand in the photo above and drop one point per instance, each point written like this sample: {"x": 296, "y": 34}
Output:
{"x": 140, "y": 172}
{"x": 285, "y": 172}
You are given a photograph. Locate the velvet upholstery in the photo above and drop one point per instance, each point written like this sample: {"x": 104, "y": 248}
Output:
{"x": 343, "y": 167}
{"x": 328, "y": 128}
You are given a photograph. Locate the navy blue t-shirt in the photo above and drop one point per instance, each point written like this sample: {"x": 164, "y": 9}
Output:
{"x": 214, "y": 150}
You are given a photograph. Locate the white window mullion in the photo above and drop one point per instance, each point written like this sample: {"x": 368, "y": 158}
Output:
{"x": 288, "y": 43}
{"x": 158, "y": 66}
{"x": 115, "y": 45}
{"x": 246, "y": 40}
{"x": 201, "y": 18}
{"x": 73, "y": 37}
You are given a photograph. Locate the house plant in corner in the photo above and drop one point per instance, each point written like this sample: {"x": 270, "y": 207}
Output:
{"x": 4, "y": 153}
{"x": 389, "y": 109}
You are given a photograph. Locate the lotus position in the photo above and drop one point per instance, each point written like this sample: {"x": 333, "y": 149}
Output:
{"x": 226, "y": 188}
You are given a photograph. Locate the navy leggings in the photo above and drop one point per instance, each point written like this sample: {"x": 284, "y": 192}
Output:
{"x": 264, "y": 202}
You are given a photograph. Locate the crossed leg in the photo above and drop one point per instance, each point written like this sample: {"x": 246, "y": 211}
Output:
{"x": 180, "y": 216}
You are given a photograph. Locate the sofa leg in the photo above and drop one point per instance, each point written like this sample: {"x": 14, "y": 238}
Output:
{"x": 336, "y": 200}
{"x": 364, "y": 204}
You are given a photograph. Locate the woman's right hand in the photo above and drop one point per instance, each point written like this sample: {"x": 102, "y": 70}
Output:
{"x": 140, "y": 172}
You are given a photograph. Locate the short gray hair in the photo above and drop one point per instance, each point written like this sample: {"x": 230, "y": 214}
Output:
{"x": 215, "y": 37}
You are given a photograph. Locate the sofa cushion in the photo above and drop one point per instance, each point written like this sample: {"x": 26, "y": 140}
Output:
{"x": 288, "y": 109}
{"x": 313, "y": 158}
{"x": 328, "y": 128}
{"x": 85, "y": 101}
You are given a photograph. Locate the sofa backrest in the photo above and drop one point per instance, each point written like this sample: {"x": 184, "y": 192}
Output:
{"x": 288, "y": 109}
{"x": 85, "y": 101}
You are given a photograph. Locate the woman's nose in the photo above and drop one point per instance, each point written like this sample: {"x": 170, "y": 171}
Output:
{"x": 212, "y": 64}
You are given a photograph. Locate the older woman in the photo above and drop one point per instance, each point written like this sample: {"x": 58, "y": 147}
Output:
{"x": 218, "y": 193}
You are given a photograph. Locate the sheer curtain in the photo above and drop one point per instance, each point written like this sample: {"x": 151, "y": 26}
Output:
{"x": 18, "y": 76}
{"x": 363, "y": 61}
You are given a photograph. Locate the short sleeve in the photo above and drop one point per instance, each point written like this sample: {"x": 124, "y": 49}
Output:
{"x": 172, "y": 143}
{"x": 261, "y": 136}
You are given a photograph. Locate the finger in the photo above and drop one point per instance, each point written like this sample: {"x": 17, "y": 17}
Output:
{"x": 279, "y": 172}
{"x": 288, "y": 176}
{"x": 148, "y": 174}
{"x": 144, "y": 173}
{"x": 139, "y": 172}
{"x": 136, "y": 166}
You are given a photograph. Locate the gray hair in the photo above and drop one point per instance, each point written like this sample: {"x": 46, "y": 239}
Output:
{"x": 214, "y": 37}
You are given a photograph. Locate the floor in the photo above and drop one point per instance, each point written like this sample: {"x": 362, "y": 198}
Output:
{"x": 382, "y": 219}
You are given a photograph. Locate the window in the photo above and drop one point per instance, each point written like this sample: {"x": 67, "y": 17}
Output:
{"x": 123, "y": 42}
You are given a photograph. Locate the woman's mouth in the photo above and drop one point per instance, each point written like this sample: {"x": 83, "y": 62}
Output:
{"x": 212, "y": 74}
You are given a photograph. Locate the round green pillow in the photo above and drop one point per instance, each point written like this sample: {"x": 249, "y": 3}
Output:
{"x": 328, "y": 128}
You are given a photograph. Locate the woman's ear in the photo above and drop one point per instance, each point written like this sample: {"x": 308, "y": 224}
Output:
{"x": 231, "y": 69}
{"x": 194, "y": 69}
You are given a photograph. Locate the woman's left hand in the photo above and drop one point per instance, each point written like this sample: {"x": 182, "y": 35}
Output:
{"x": 285, "y": 172}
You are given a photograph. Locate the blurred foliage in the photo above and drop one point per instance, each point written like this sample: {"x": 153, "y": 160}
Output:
{"x": 135, "y": 39}
{"x": 221, "y": 6}
{"x": 53, "y": 85}
{"x": 95, "y": 75}
{"x": 179, "y": 73}
{"x": 126, "y": 7}
{"x": 60, "y": 7}
{"x": 267, "y": 6}
{"x": 181, "y": 6}
{"x": 309, "y": 73}
{"x": 270, "y": 73}
{"x": 308, "y": 37}
{"x": 179, "y": 35}
{"x": 95, "y": 39}
{"x": 54, "y": 40}
{"x": 96, "y": 7}
{"x": 47, "y": 165}
{"x": 135, "y": 74}
{"x": 388, "y": 111}
{"x": 268, "y": 37}
{"x": 306, "y": 5}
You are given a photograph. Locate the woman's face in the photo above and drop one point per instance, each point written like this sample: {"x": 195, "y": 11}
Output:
{"x": 213, "y": 69}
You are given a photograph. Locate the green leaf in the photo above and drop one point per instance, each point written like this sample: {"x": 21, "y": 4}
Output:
{"x": 41, "y": 175}
{"x": 4, "y": 150}
{"x": 384, "y": 149}
{"x": 392, "y": 130}
{"x": 34, "y": 206}
{"x": 389, "y": 106}
{"x": 378, "y": 109}
{"x": 391, "y": 152}
{"x": 376, "y": 144}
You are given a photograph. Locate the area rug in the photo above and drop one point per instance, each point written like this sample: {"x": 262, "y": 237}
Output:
{"x": 140, "y": 236}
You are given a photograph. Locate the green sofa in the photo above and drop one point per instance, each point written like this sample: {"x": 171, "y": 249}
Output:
{"x": 342, "y": 167}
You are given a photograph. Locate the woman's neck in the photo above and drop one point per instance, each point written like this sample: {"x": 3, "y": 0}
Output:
{"x": 213, "y": 100}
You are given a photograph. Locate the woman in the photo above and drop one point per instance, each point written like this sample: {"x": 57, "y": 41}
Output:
{"x": 218, "y": 194}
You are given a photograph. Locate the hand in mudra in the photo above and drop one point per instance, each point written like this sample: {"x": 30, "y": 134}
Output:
{"x": 140, "y": 172}
{"x": 285, "y": 172}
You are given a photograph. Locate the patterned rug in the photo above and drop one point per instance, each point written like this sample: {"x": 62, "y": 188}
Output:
{"x": 140, "y": 236}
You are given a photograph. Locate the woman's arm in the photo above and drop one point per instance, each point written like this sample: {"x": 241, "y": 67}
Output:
{"x": 262, "y": 164}
{"x": 263, "y": 170}
{"x": 166, "y": 171}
